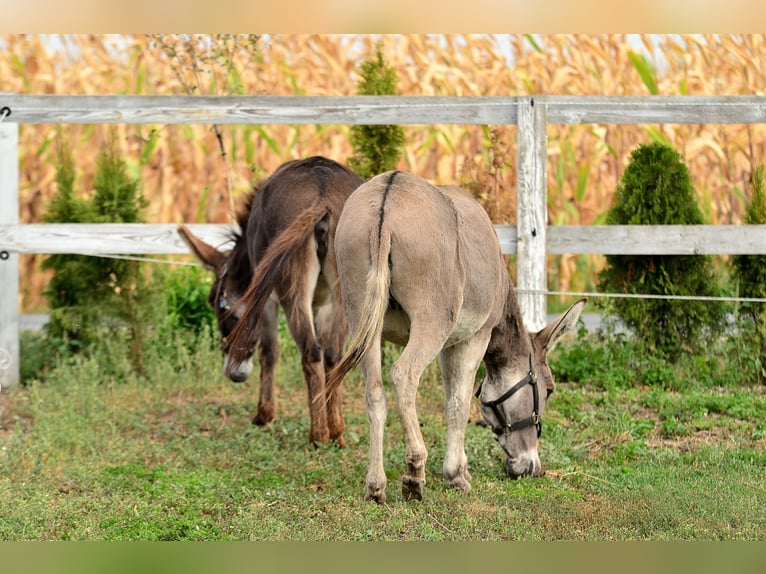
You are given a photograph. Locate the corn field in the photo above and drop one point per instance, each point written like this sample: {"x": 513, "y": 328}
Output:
{"x": 196, "y": 173}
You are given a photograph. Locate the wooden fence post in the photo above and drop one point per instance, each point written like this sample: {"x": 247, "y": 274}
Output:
{"x": 532, "y": 210}
{"x": 9, "y": 262}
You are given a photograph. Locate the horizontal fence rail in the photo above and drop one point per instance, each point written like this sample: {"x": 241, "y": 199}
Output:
{"x": 531, "y": 239}
{"x": 646, "y": 239}
{"x": 371, "y": 110}
{"x": 108, "y": 238}
{"x": 162, "y": 238}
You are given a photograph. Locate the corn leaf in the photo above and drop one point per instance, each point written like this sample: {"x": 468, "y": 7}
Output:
{"x": 531, "y": 39}
{"x": 270, "y": 142}
{"x": 582, "y": 182}
{"x": 645, "y": 70}
{"x": 148, "y": 149}
{"x": 656, "y": 135}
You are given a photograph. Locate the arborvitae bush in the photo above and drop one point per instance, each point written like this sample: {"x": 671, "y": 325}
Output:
{"x": 377, "y": 148}
{"x": 749, "y": 276}
{"x": 91, "y": 296}
{"x": 656, "y": 189}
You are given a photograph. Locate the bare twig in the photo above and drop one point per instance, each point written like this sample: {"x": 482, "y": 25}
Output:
{"x": 210, "y": 60}
{"x": 436, "y": 520}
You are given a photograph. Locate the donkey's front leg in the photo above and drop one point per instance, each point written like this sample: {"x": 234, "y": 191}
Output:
{"x": 458, "y": 365}
{"x": 268, "y": 355}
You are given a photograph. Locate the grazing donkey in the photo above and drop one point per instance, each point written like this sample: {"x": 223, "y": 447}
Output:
{"x": 421, "y": 266}
{"x": 284, "y": 255}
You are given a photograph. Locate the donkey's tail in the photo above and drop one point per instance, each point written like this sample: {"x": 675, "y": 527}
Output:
{"x": 376, "y": 295}
{"x": 266, "y": 274}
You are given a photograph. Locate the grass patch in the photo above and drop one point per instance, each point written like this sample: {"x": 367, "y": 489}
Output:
{"x": 100, "y": 454}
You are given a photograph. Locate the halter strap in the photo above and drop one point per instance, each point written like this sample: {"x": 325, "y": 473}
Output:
{"x": 223, "y": 302}
{"x": 534, "y": 419}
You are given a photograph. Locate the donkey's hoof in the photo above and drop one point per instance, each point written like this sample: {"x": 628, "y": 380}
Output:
{"x": 460, "y": 483}
{"x": 379, "y": 498}
{"x": 459, "y": 479}
{"x": 317, "y": 438}
{"x": 376, "y": 493}
{"x": 412, "y": 488}
{"x": 261, "y": 421}
{"x": 264, "y": 415}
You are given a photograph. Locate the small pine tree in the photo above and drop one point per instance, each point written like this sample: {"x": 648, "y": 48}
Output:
{"x": 64, "y": 206}
{"x": 87, "y": 294}
{"x": 656, "y": 189}
{"x": 117, "y": 197}
{"x": 749, "y": 275}
{"x": 377, "y": 148}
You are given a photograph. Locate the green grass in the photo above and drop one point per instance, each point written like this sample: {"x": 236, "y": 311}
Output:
{"x": 100, "y": 454}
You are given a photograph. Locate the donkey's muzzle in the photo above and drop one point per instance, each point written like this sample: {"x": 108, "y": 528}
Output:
{"x": 238, "y": 377}
{"x": 516, "y": 470}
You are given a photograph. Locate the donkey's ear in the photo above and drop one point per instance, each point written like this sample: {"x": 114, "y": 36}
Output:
{"x": 565, "y": 322}
{"x": 211, "y": 258}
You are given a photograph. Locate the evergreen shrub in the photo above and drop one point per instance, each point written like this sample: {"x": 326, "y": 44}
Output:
{"x": 656, "y": 189}
{"x": 377, "y": 148}
{"x": 749, "y": 276}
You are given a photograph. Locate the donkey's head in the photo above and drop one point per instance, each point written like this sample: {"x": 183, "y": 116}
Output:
{"x": 514, "y": 394}
{"x": 232, "y": 277}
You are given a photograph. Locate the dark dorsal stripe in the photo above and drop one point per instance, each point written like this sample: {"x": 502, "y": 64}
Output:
{"x": 389, "y": 184}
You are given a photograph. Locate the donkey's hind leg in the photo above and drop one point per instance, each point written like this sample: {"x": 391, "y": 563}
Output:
{"x": 268, "y": 355}
{"x": 375, "y": 398}
{"x": 332, "y": 331}
{"x": 458, "y": 365}
{"x": 423, "y": 346}
{"x": 300, "y": 322}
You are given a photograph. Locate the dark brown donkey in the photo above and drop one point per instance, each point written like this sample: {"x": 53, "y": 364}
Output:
{"x": 421, "y": 266}
{"x": 284, "y": 256}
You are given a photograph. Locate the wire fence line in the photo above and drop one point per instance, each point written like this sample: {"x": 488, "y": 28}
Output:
{"x": 545, "y": 292}
{"x": 643, "y": 296}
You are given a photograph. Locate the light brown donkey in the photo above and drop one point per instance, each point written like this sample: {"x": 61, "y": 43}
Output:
{"x": 284, "y": 255}
{"x": 421, "y": 267}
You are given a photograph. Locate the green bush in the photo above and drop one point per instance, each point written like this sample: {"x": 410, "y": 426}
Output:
{"x": 656, "y": 189}
{"x": 107, "y": 307}
{"x": 91, "y": 298}
{"x": 39, "y": 355}
{"x": 377, "y": 148}
{"x": 609, "y": 364}
{"x": 184, "y": 291}
{"x": 611, "y": 361}
{"x": 749, "y": 276}
{"x": 179, "y": 322}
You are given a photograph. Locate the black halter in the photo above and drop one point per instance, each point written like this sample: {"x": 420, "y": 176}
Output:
{"x": 220, "y": 296}
{"x": 534, "y": 419}
{"x": 224, "y": 314}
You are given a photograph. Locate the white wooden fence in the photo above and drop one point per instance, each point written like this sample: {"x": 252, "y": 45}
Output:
{"x": 531, "y": 239}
